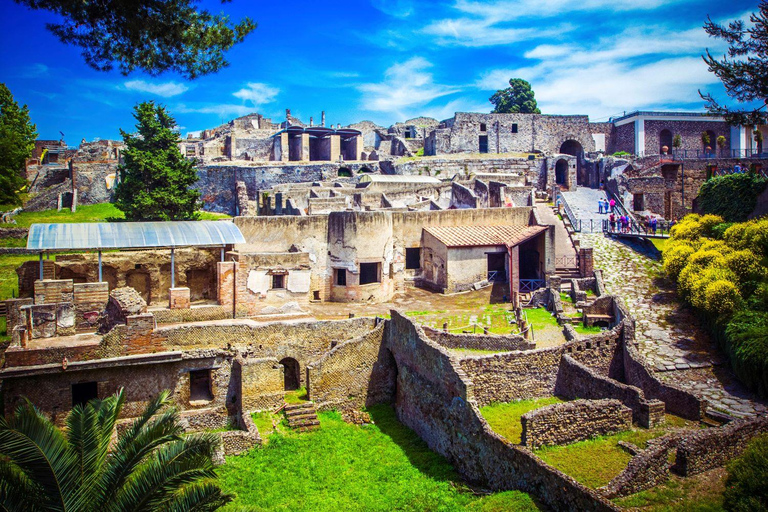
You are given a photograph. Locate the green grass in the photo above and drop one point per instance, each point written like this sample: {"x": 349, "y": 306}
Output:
{"x": 13, "y": 242}
{"x": 701, "y": 493}
{"x": 101, "y": 212}
{"x": 298, "y": 396}
{"x": 504, "y": 418}
{"x": 4, "y": 334}
{"x": 87, "y": 213}
{"x": 595, "y": 462}
{"x": 9, "y": 281}
{"x": 582, "y": 329}
{"x": 345, "y": 467}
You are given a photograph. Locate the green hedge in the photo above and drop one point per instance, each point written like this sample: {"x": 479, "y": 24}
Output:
{"x": 733, "y": 197}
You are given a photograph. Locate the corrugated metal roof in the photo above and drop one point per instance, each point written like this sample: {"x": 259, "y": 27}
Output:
{"x": 473, "y": 236}
{"x": 397, "y": 178}
{"x": 132, "y": 235}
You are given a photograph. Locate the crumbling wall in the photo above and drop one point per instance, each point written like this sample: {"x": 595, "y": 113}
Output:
{"x": 574, "y": 421}
{"x": 354, "y": 374}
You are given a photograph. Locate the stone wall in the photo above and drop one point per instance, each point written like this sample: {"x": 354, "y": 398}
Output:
{"x": 435, "y": 398}
{"x": 533, "y": 374}
{"x": 575, "y": 380}
{"x": 354, "y": 374}
{"x": 574, "y": 421}
{"x": 711, "y": 448}
{"x": 479, "y": 342}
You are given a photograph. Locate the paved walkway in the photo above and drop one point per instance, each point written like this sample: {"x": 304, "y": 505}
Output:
{"x": 565, "y": 254}
{"x": 669, "y": 334}
{"x": 583, "y": 203}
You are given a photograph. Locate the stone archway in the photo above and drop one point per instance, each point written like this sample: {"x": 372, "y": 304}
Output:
{"x": 291, "y": 373}
{"x": 561, "y": 173}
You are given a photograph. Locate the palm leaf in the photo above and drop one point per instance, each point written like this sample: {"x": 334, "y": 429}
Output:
{"x": 31, "y": 442}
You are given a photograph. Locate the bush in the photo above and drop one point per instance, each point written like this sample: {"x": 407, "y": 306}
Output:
{"x": 747, "y": 344}
{"x": 733, "y": 197}
{"x": 746, "y": 488}
{"x": 676, "y": 258}
{"x": 721, "y": 297}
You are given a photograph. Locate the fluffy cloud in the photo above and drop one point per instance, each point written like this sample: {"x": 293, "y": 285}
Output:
{"x": 257, "y": 93}
{"x": 166, "y": 90}
{"x": 406, "y": 85}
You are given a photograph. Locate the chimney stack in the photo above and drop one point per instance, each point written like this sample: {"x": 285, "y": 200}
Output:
{"x": 322, "y": 119}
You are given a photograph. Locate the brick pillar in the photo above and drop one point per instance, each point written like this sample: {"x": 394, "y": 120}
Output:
{"x": 178, "y": 298}
{"x": 514, "y": 274}
{"x": 586, "y": 262}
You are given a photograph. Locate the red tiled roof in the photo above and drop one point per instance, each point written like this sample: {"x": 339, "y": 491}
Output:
{"x": 473, "y": 236}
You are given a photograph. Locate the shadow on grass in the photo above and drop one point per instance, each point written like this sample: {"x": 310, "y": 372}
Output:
{"x": 415, "y": 449}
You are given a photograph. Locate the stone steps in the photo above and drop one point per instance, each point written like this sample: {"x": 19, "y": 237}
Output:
{"x": 302, "y": 417}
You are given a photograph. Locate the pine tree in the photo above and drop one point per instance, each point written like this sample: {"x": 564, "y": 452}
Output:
{"x": 518, "y": 98}
{"x": 744, "y": 71}
{"x": 17, "y": 140}
{"x": 154, "y": 36}
{"x": 156, "y": 180}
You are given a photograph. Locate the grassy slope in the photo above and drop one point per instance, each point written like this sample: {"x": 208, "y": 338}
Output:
{"x": 344, "y": 467}
{"x": 504, "y": 418}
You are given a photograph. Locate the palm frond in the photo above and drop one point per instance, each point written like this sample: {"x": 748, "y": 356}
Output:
{"x": 31, "y": 442}
{"x": 197, "y": 497}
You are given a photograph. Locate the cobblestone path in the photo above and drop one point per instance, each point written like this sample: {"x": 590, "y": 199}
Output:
{"x": 583, "y": 203}
{"x": 668, "y": 333}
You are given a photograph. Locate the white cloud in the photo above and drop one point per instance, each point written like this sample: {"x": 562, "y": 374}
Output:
{"x": 220, "y": 109}
{"x": 257, "y": 93}
{"x": 166, "y": 90}
{"x": 396, "y": 8}
{"x": 407, "y": 86}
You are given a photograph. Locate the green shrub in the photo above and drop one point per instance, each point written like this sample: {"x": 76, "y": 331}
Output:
{"x": 676, "y": 258}
{"x": 746, "y": 488}
{"x": 747, "y": 344}
{"x": 721, "y": 297}
{"x": 733, "y": 197}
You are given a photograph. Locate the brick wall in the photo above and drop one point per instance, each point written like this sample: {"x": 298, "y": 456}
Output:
{"x": 574, "y": 421}
{"x": 356, "y": 373}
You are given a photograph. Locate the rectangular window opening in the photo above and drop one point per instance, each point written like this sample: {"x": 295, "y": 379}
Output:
{"x": 413, "y": 258}
{"x": 200, "y": 385}
{"x": 84, "y": 392}
{"x": 278, "y": 281}
{"x": 370, "y": 273}
{"x": 341, "y": 277}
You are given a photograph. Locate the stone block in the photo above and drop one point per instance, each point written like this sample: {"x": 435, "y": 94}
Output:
{"x": 178, "y": 298}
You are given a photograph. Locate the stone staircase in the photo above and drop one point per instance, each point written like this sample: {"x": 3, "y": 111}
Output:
{"x": 302, "y": 417}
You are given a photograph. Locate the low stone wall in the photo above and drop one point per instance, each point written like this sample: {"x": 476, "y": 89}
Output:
{"x": 479, "y": 342}
{"x": 576, "y": 380}
{"x": 574, "y": 421}
{"x": 638, "y": 373}
{"x": 354, "y": 374}
{"x": 193, "y": 314}
{"x": 711, "y": 448}
{"x": 436, "y": 399}
{"x": 647, "y": 469}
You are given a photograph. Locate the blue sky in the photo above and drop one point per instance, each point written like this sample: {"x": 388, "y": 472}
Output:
{"x": 386, "y": 61}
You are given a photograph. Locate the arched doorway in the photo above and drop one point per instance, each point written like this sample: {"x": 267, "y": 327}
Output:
{"x": 561, "y": 172}
{"x": 572, "y": 147}
{"x": 291, "y": 376}
{"x": 665, "y": 139}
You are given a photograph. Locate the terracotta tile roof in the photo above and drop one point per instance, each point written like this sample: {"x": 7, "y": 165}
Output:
{"x": 473, "y": 236}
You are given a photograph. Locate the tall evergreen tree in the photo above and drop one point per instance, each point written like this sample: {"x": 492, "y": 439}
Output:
{"x": 156, "y": 180}
{"x": 17, "y": 140}
{"x": 744, "y": 70}
{"x": 154, "y": 36}
{"x": 518, "y": 98}
{"x": 151, "y": 466}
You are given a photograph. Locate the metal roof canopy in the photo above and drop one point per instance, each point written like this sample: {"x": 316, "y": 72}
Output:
{"x": 132, "y": 235}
